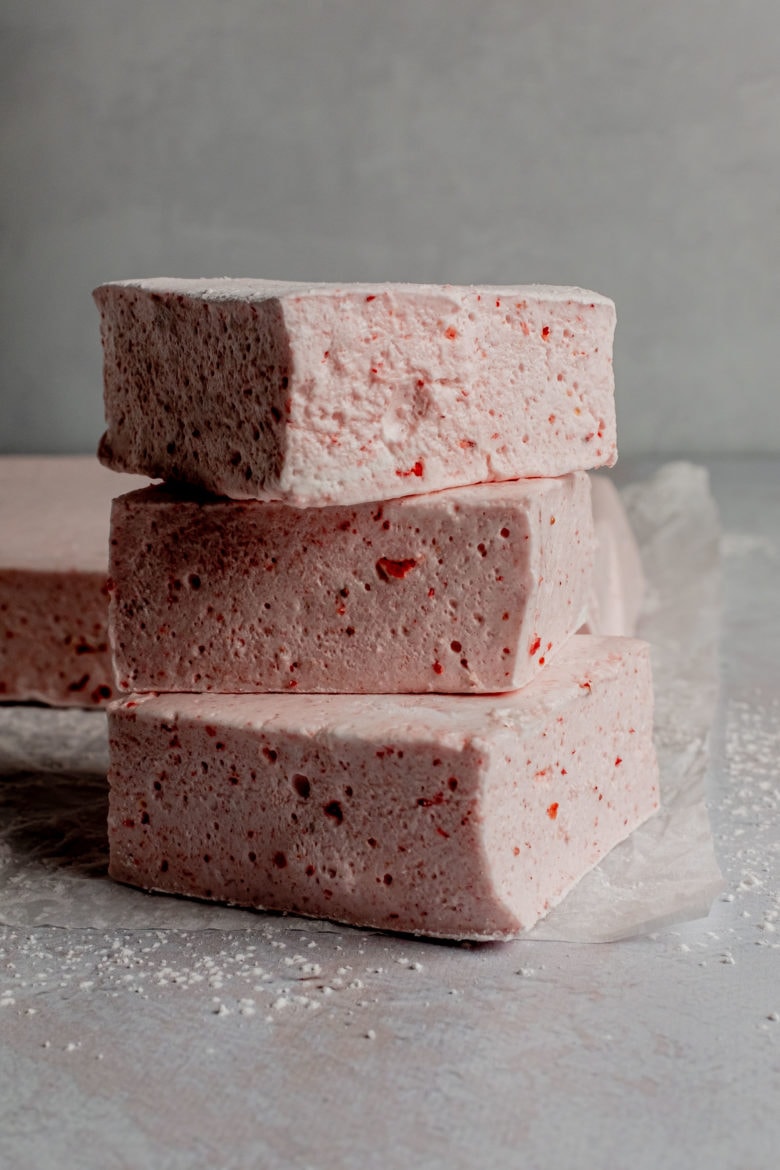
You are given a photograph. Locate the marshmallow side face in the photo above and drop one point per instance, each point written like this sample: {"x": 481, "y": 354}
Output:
{"x": 590, "y": 774}
{"x": 344, "y": 394}
{"x": 54, "y": 524}
{"x": 441, "y": 816}
{"x": 464, "y": 590}
{"x": 54, "y": 638}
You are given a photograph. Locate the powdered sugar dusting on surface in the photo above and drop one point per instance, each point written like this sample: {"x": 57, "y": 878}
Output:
{"x": 747, "y": 812}
{"x": 251, "y": 977}
{"x": 750, "y": 808}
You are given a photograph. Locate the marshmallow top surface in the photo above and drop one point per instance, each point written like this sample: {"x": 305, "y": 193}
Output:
{"x": 55, "y": 512}
{"x": 228, "y": 288}
{"x": 427, "y": 718}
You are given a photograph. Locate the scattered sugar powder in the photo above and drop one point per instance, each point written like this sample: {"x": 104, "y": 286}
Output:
{"x": 749, "y": 811}
{"x": 160, "y": 965}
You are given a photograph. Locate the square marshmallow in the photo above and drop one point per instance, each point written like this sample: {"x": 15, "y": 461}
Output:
{"x": 469, "y": 589}
{"x": 451, "y": 816}
{"x": 338, "y": 394}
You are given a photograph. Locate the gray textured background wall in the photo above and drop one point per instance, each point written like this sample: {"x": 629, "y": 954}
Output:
{"x": 629, "y": 146}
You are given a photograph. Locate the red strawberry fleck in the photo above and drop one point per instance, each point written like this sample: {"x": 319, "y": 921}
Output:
{"x": 397, "y": 569}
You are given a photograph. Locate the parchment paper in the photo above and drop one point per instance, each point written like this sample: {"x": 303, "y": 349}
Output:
{"x": 53, "y": 798}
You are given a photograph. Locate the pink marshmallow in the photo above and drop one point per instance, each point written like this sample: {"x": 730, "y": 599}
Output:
{"x": 469, "y": 589}
{"x": 326, "y": 394}
{"x": 54, "y": 524}
{"x": 618, "y": 578}
{"x": 450, "y": 816}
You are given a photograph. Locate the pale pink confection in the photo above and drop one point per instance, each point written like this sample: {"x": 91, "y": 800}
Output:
{"x": 54, "y": 526}
{"x": 469, "y": 589}
{"x": 458, "y": 816}
{"x": 618, "y": 578}
{"x": 339, "y": 394}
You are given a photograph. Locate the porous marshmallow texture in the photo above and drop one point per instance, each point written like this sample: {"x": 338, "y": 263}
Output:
{"x": 451, "y": 816}
{"x": 466, "y": 590}
{"x": 54, "y": 526}
{"x": 329, "y": 394}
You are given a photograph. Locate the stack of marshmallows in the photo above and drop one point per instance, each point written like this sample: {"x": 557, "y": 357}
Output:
{"x": 344, "y": 625}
